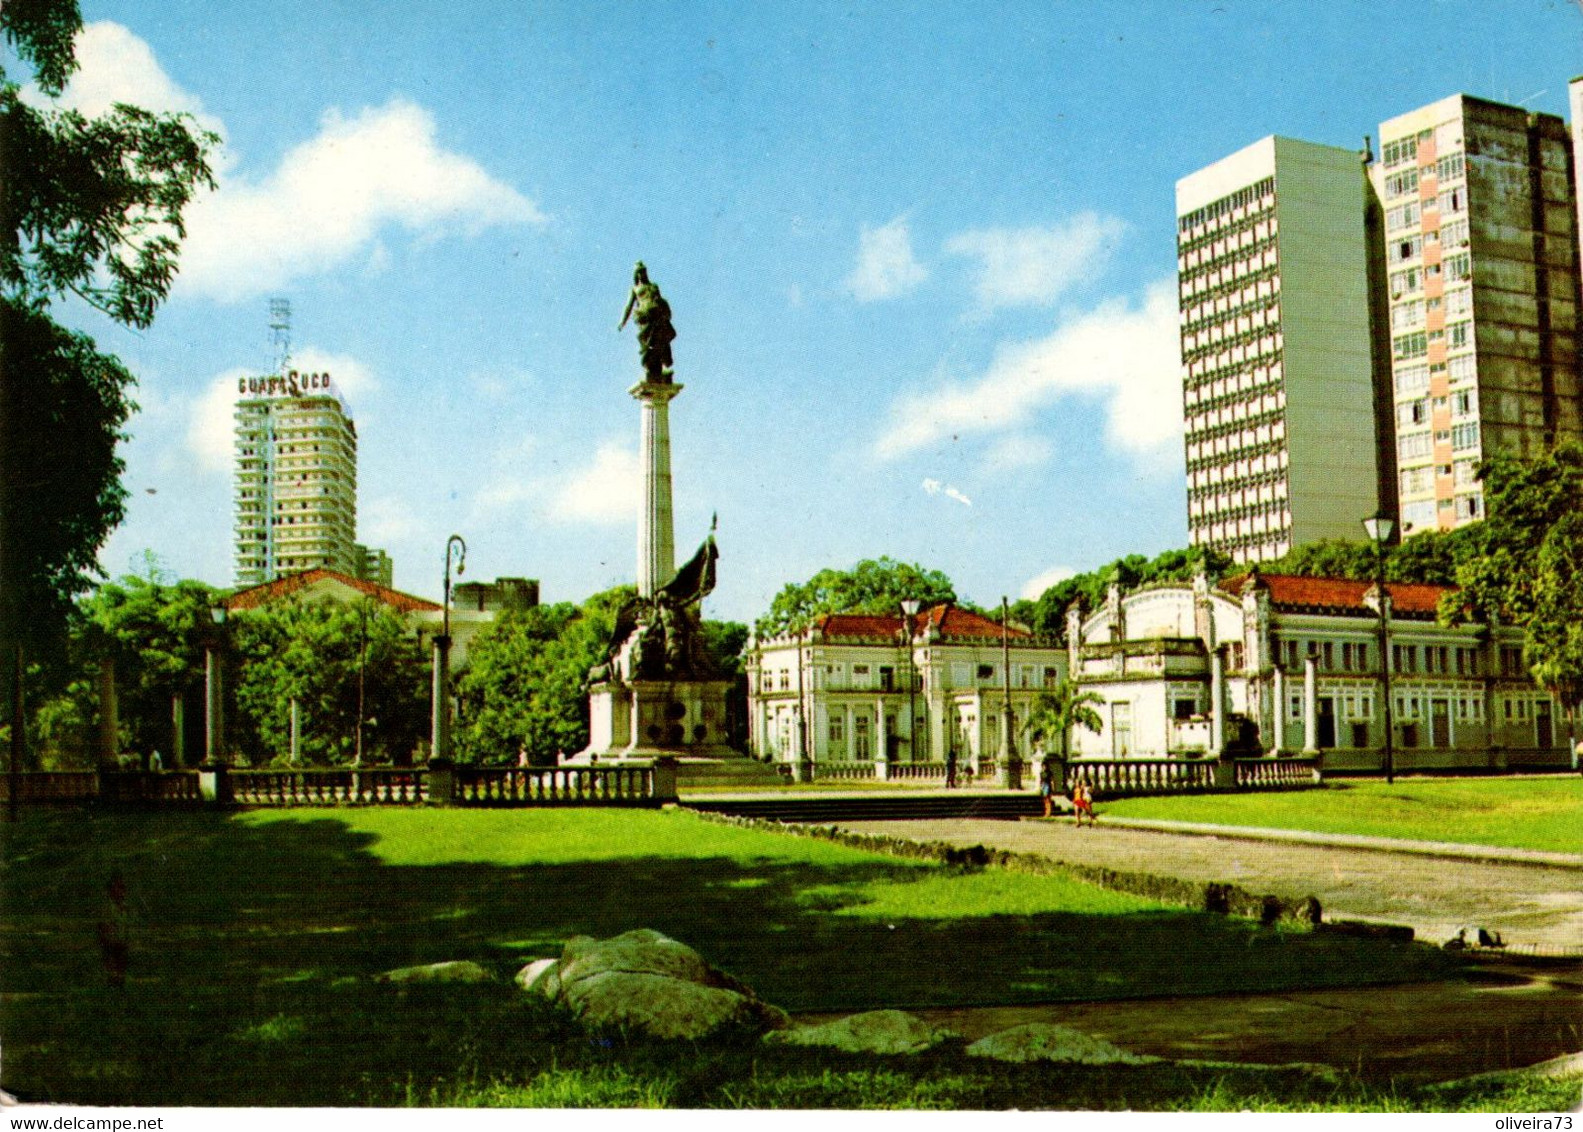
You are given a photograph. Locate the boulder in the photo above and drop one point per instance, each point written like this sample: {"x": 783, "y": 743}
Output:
{"x": 534, "y": 973}
{"x": 455, "y": 971}
{"x": 648, "y": 983}
{"x": 1043, "y": 1041}
{"x": 877, "y": 1031}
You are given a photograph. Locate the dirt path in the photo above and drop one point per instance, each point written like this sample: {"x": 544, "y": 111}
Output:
{"x": 1528, "y": 904}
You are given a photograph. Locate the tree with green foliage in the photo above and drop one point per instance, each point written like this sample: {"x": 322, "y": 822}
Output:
{"x": 1520, "y": 565}
{"x": 875, "y": 585}
{"x": 155, "y": 634}
{"x": 1428, "y": 557}
{"x": 90, "y": 208}
{"x": 524, "y": 686}
{"x": 1056, "y": 712}
{"x": 317, "y": 655}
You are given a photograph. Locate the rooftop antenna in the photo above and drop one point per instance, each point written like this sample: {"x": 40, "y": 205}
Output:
{"x": 279, "y": 335}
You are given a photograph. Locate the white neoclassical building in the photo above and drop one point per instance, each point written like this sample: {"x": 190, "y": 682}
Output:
{"x": 1278, "y": 664}
{"x": 896, "y": 688}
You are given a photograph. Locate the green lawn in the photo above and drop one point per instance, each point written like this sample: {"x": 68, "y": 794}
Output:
{"x": 1524, "y": 813}
{"x": 253, "y": 937}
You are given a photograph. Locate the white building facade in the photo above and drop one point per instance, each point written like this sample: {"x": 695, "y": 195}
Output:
{"x": 1278, "y": 368}
{"x": 870, "y": 688}
{"x": 1275, "y": 664}
{"x": 296, "y": 479}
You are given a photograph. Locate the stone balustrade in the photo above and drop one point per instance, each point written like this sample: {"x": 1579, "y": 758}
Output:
{"x": 1277, "y": 774}
{"x": 562, "y": 785}
{"x": 52, "y": 786}
{"x": 852, "y": 771}
{"x": 383, "y": 786}
{"x": 1115, "y": 778}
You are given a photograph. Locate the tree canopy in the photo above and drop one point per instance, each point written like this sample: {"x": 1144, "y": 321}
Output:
{"x": 92, "y": 208}
{"x": 874, "y": 585}
{"x": 523, "y": 689}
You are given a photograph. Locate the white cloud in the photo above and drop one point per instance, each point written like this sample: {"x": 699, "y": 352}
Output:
{"x": 331, "y": 197}
{"x": 388, "y": 520}
{"x": 329, "y": 201}
{"x": 210, "y": 427}
{"x": 1125, "y": 354}
{"x": 114, "y": 65}
{"x": 885, "y": 264}
{"x": 935, "y": 487}
{"x": 1034, "y": 588}
{"x": 1035, "y": 266}
{"x": 604, "y": 492}
{"x": 211, "y": 420}
{"x": 1018, "y": 450}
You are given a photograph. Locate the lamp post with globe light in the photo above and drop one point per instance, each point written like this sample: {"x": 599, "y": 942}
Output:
{"x": 440, "y": 722}
{"x": 1379, "y": 529}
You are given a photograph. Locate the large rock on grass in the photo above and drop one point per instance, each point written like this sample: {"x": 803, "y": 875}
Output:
{"x": 648, "y": 983}
{"x": 455, "y": 971}
{"x": 1044, "y": 1041}
{"x": 877, "y": 1031}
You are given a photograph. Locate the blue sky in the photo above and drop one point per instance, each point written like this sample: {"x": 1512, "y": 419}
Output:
{"x": 920, "y": 257}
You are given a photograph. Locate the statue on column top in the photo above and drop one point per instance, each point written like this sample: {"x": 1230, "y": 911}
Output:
{"x": 655, "y": 333}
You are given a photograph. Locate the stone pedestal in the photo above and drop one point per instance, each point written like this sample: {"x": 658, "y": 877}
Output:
{"x": 646, "y": 719}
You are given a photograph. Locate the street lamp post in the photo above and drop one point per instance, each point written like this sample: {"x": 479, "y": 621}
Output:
{"x": 440, "y": 730}
{"x": 1010, "y": 770}
{"x": 213, "y": 784}
{"x": 213, "y": 678}
{"x": 909, "y": 610}
{"x": 1379, "y": 529}
{"x": 362, "y": 660}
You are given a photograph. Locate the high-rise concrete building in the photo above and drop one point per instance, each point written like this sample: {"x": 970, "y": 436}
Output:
{"x": 1481, "y": 251}
{"x": 296, "y": 478}
{"x": 1278, "y": 367}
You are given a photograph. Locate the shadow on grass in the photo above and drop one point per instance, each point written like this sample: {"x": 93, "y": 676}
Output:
{"x": 251, "y": 944}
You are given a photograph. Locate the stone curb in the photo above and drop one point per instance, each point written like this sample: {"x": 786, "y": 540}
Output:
{"x": 1484, "y": 854}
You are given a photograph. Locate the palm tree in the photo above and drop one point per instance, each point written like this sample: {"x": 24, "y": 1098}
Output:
{"x": 1057, "y": 712}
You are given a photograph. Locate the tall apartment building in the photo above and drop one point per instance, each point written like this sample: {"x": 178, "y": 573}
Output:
{"x": 296, "y": 478}
{"x": 1481, "y": 255}
{"x": 1277, "y": 363}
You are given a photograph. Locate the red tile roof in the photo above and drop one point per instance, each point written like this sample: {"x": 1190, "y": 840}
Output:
{"x": 1293, "y": 591}
{"x": 263, "y": 594}
{"x": 945, "y": 619}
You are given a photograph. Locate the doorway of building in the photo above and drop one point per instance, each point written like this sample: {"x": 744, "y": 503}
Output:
{"x": 1440, "y": 723}
{"x": 1326, "y": 723}
{"x": 1544, "y": 727}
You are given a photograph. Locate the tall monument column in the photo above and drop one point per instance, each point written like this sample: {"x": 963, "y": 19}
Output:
{"x": 656, "y": 526}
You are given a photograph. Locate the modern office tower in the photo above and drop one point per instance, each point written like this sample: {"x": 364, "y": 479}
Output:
{"x": 296, "y": 478}
{"x": 1277, "y": 368}
{"x": 1482, "y": 266}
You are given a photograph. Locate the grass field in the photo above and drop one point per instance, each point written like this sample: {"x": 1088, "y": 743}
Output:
{"x": 1523, "y": 813}
{"x": 253, "y": 937}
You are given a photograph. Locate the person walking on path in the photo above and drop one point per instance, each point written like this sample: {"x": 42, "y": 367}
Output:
{"x": 950, "y": 768}
{"x": 1083, "y": 802}
{"x": 1047, "y": 787}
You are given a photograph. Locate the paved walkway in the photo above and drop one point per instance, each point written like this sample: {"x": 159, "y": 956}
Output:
{"x": 1452, "y": 850}
{"x": 1436, "y": 889}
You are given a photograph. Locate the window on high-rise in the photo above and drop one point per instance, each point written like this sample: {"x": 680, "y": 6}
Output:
{"x": 1409, "y": 346}
{"x": 1459, "y": 266}
{"x": 1449, "y": 167}
{"x": 1465, "y": 436}
{"x": 1400, "y": 184}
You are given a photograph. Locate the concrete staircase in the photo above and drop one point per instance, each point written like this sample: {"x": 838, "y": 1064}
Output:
{"x": 900, "y": 807}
